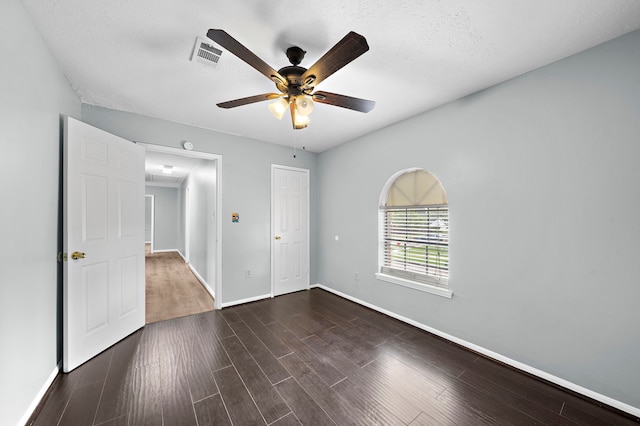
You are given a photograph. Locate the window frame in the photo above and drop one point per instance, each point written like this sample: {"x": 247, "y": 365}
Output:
{"x": 407, "y": 235}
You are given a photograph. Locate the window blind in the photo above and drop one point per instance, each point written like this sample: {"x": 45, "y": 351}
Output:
{"x": 416, "y": 242}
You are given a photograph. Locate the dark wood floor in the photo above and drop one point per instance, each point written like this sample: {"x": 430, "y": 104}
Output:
{"x": 308, "y": 357}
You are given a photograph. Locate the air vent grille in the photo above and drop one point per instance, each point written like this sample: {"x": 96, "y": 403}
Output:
{"x": 205, "y": 53}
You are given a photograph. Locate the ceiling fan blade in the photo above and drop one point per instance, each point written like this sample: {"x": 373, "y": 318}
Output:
{"x": 346, "y": 50}
{"x": 234, "y": 46}
{"x": 249, "y": 100}
{"x": 343, "y": 101}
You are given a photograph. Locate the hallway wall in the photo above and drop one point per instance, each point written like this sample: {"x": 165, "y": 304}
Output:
{"x": 167, "y": 217}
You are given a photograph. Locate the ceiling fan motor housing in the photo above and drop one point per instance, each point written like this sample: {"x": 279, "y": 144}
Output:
{"x": 293, "y": 74}
{"x": 295, "y": 55}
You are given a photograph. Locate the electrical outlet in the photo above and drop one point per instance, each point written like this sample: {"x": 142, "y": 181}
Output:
{"x": 247, "y": 273}
{"x": 356, "y": 276}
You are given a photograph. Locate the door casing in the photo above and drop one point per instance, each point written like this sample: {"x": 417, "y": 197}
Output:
{"x": 152, "y": 219}
{"x": 217, "y": 285}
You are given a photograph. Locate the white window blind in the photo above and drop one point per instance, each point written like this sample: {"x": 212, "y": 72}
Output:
{"x": 416, "y": 242}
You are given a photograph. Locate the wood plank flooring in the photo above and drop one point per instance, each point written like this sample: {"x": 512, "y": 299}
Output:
{"x": 172, "y": 291}
{"x": 305, "y": 358}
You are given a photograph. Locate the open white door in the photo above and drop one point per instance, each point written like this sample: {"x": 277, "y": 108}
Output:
{"x": 290, "y": 229}
{"x": 103, "y": 241}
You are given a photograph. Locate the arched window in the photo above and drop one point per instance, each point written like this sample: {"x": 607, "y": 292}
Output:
{"x": 414, "y": 232}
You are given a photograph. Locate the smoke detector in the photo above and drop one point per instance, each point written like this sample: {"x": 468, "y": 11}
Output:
{"x": 205, "y": 53}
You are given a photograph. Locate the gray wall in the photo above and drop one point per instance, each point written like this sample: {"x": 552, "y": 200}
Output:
{"x": 201, "y": 184}
{"x": 542, "y": 178}
{"x": 245, "y": 188}
{"x": 167, "y": 217}
{"x": 148, "y": 219}
{"x": 33, "y": 94}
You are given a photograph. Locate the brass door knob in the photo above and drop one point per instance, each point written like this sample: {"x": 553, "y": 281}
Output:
{"x": 77, "y": 255}
{"x": 278, "y": 237}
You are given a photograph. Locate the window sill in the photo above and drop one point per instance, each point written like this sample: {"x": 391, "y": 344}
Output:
{"x": 427, "y": 288}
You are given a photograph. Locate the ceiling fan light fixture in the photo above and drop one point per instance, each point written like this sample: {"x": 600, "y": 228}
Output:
{"x": 278, "y": 108}
{"x": 304, "y": 105}
{"x": 300, "y": 121}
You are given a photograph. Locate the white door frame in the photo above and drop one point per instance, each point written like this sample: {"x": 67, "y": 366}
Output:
{"x": 153, "y": 219}
{"x": 273, "y": 223}
{"x": 217, "y": 285}
{"x": 187, "y": 224}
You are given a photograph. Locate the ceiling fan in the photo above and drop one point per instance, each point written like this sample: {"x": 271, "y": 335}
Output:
{"x": 295, "y": 83}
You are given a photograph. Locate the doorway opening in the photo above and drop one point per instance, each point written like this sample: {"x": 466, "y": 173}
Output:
{"x": 184, "y": 188}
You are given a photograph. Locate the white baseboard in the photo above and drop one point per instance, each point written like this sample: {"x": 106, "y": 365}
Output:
{"x": 635, "y": 411}
{"x": 240, "y": 302}
{"x": 40, "y": 395}
{"x": 202, "y": 281}
{"x": 167, "y": 251}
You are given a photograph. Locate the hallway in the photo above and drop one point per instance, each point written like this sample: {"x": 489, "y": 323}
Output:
{"x": 172, "y": 290}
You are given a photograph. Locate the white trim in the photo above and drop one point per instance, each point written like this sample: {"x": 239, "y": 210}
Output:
{"x": 635, "y": 411}
{"x": 217, "y": 285}
{"x": 202, "y": 281}
{"x": 34, "y": 404}
{"x": 427, "y": 288}
{"x": 162, "y": 185}
{"x": 273, "y": 218}
{"x": 187, "y": 223}
{"x": 153, "y": 220}
{"x": 179, "y": 151}
{"x": 182, "y": 256}
{"x": 250, "y": 299}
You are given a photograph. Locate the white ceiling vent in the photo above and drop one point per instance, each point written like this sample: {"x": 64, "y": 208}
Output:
{"x": 205, "y": 53}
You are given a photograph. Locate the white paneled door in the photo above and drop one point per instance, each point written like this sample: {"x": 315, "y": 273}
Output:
{"x": 103, "y": 241}
{"x": 290, "y": 229}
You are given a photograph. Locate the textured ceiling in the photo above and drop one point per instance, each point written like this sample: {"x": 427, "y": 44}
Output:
{"x": 181, "y": 166}
{"x": 135, "y": 55}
